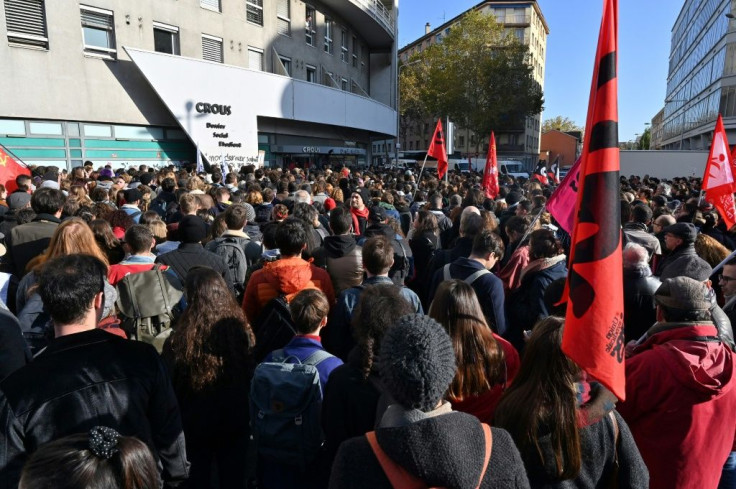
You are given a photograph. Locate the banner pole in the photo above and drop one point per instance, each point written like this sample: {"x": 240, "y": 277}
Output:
{"x": 419, "y": 179}
{"x": 534, "y": 221}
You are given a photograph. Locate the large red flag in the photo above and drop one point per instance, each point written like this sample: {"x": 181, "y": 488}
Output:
{"x": 9, "y": 169}
{"x": 490, "y": 174}
{"x": 593, "y": 335}
{"x": 562, "y": 202}
{"x": 437, "y": 149}
{"x": 718, "y": 180}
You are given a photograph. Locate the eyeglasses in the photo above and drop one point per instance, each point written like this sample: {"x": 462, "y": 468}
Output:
{"x": 726, "y": 279}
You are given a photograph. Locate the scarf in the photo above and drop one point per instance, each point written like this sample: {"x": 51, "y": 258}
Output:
{"x": 397, "y": 415}
{"x": 541, "y": 264}
{"x": 357, "y": 214}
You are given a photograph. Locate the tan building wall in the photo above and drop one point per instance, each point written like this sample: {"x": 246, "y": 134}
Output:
{"x": 558, "y": 144}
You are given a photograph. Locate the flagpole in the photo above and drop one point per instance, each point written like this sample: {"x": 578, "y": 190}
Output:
{"x": 534, "y": 221}
{"x": 420, "y": 178}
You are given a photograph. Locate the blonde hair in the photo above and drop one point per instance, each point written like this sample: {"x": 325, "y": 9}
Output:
{"x": 73, "y": 236}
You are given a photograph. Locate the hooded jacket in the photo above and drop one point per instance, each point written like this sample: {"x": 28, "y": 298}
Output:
{"x": 681, "y": 404}
{"x": 443, "y": 451}
{"x": 343, "y": 259}
{"x": 284, "y": 276}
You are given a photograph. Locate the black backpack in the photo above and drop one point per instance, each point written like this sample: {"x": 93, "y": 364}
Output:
{"x": 274, "y": 327}
{"x": 231, "y": 250}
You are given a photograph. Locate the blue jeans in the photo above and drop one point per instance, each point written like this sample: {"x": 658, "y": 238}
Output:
{"x": 728, "y": 476}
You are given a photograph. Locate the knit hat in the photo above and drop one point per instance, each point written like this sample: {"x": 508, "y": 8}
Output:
{"x": 106, "y": 172}
{"x": 192, "y": 229}
{"x": 417, "y": 362}
{"x": 330, "y": 204}
{"x": 377, "y": 214}
{"x": 683, "y": 293}
{"x": 250, "y": 212}
{"x": 692, "y": 267}
{"x": 686, "y": 231}
{"x": 18, "y": 200}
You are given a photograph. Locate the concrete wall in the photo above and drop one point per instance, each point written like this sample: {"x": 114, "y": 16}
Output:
{"x": 663, "y": 164}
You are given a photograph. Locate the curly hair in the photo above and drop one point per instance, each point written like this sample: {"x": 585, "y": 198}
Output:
{"x": 212, "y": 340}
{"x": 378, "y": 308}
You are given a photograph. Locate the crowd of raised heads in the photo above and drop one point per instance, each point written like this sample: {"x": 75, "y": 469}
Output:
{"x": 336, "y": 327}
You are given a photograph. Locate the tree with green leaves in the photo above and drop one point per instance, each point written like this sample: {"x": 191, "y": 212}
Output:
{"x": 560, "y": 123}
{"x": 645, "y": 139}
{"x": 478, "y": 75}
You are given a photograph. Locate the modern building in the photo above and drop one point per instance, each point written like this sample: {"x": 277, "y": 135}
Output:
{"x": 564, "y": 147}
{"x": 657, "y": 126}
{"x": 245, "y": 81}
{"x": 701, "y": 81}
{"x": 523, "y": 19}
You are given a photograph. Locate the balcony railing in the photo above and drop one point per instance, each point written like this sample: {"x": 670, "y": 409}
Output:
{"x": 380, "y": 13}
{"x": 514, "y": 19}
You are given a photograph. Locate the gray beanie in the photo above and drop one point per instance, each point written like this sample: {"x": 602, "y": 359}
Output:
{"x": 250, "y": 212}
{"x": 417, "y": 362}
{"x": 693, "y": 267}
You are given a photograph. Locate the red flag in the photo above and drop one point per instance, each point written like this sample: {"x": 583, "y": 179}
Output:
{"x": 593, "y": 336}
{"x": 562, "y": 202}
{"x": 718, "y": 180}
{"x": 490, "y": 175}
{"x": 9, "y": 169}
{"x": 437, "y": 149}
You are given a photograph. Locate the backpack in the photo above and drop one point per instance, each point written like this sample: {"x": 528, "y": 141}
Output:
{"x": 148, "y": 304}
{"x": 232, "y": 252}
{"x": 285, "y": 409}
{"x": 274, "y": 328}
{"x": 469, "y": 279}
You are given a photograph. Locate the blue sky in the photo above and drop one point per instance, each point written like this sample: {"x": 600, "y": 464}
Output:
{"x": 644, "y": 46}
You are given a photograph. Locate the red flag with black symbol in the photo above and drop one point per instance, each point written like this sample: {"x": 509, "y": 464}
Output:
{"x": 593, "y": 336}
{"x": 10, "y": 168}
{"x": 490, "y": 175}
{"x": 718, "y": 180}
{"x": 437, "y": 149}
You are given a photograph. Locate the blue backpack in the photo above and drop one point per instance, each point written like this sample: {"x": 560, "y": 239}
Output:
{"x": 285, "y": 409}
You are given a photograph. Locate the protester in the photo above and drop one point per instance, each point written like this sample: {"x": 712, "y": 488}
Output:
{"x": 486, "y": 363}
{"x": 560, "y": 446}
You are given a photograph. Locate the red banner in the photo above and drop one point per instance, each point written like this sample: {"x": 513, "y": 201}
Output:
{"x": 718, "y": 180}
{"x": 593, "y": 336}
{"x": 490, "y": 174}
{"x": 10, "y": 168}
{"x": 437, "y": 149}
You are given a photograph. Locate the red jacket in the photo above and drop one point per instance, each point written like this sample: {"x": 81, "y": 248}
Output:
{"x": 284, "y": 276}
{"x": 681, "y": 405}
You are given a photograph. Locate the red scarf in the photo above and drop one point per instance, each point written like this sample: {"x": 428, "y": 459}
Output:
{"x": 356, "y": 214}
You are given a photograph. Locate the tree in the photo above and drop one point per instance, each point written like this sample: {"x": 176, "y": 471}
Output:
{"x": 560, "y": 123}
{"x": 645, "y": 139}
{"x": 478, "y": 75}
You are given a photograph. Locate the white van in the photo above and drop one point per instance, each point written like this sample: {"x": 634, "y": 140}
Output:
{"x": 513, "y": 168}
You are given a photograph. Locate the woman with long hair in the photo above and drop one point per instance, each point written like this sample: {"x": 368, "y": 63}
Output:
{"x": 486, "y": 363}
{"x": 424, "y": 241}
{"x": 208, "y": 355}
{"x": 565, "y": 440}
{"x": 108, "y": 243}
{"x": 72, "y": 236}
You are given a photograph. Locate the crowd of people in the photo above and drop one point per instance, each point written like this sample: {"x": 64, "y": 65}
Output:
{"x": 341, "y": 328}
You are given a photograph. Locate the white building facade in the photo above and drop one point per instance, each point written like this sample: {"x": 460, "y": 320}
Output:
{"x": 250, "y": 81}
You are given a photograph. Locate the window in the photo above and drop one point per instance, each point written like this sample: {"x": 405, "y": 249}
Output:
{"x": 329, "y": 27}
{"x": 355, "y": 52}
{"x": 255, "y": 58}
{"x": 344, "y": 46}
{"x": 363, "y": 57}
{"x": 211, "y": 5}
{"x": 286, "y": 62}
{"x": 212, "y": 48}
{"x": 26, "y": 23}
{"x": 311, "y": 74}
{"x": 283, "y": 17}
{"x": 254, "y": 11}
{"x": 310, "y": 32}
{"x": 165, "y": 38}
{"x": 98, "y": 31}
{"x": 344, "y": 85}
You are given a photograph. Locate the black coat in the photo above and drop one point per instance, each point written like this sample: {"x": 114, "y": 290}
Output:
{"x": 84, "y": 380}
{"x": 640, "y": 309}
{"x": 190, "y": 255}
{"x": 443, "y": 451}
